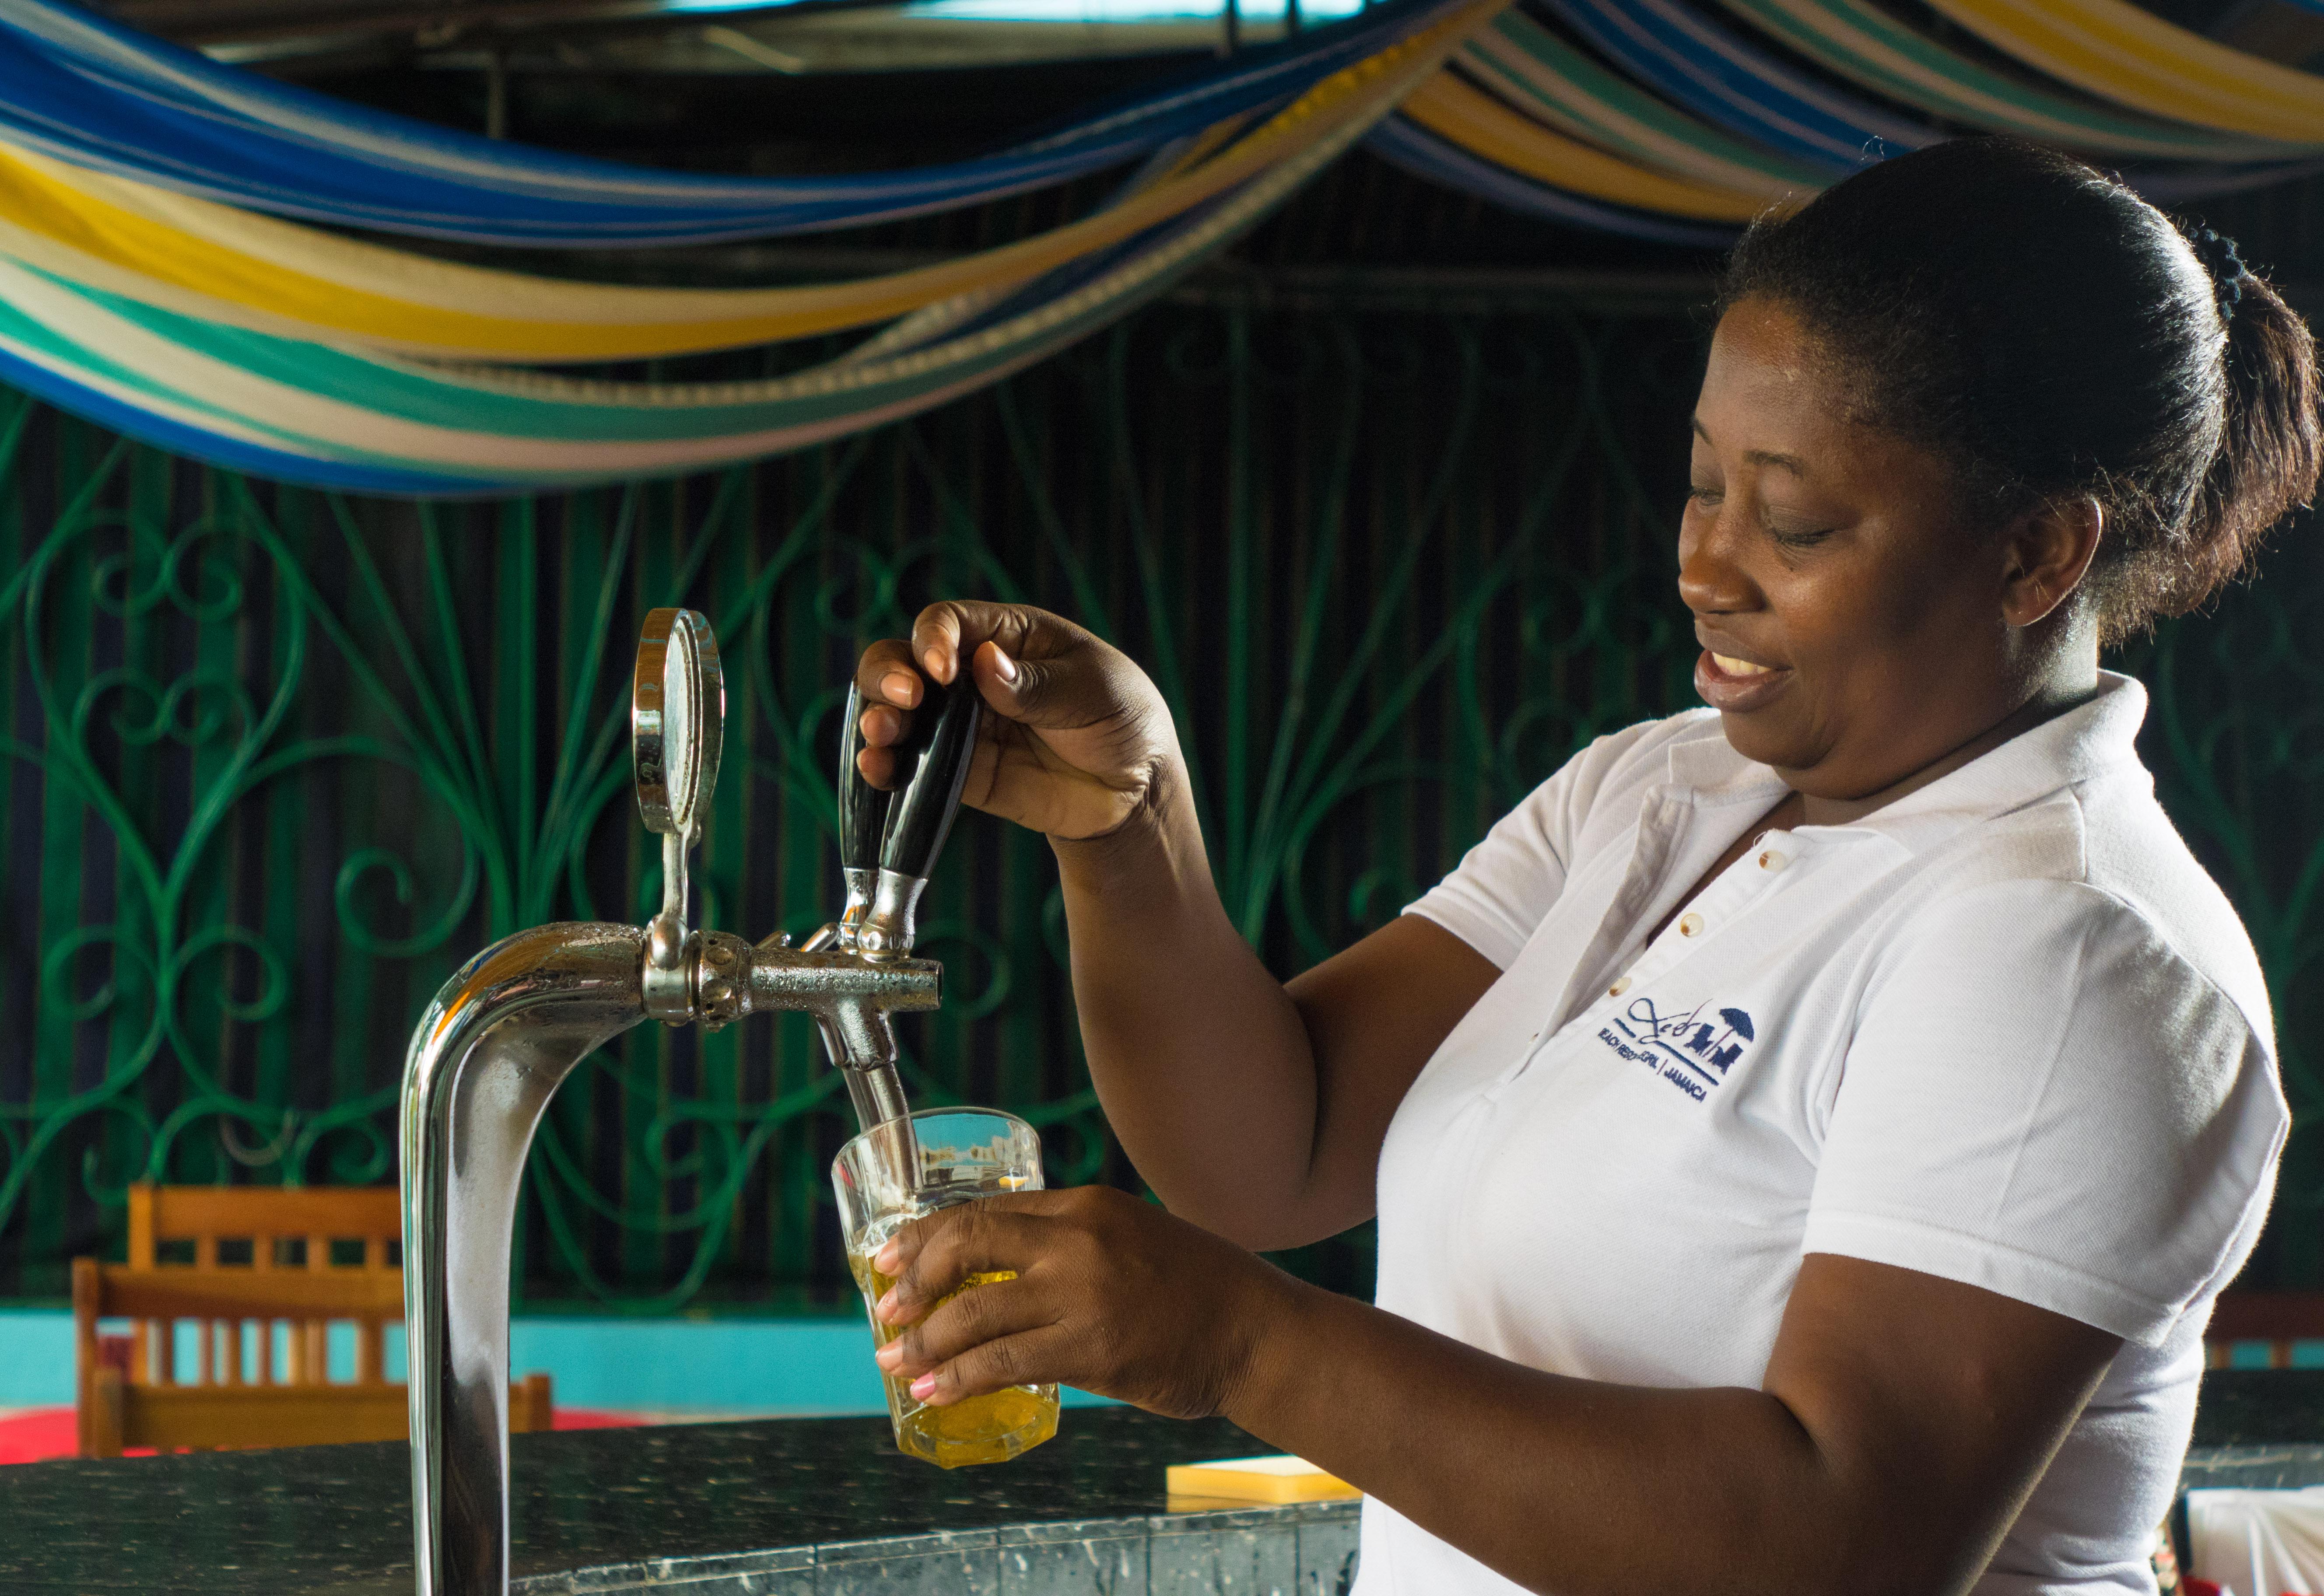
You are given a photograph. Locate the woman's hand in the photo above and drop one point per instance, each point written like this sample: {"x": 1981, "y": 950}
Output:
{"x": 1111, "y": 1294}
{"x": 1077, "y": 741}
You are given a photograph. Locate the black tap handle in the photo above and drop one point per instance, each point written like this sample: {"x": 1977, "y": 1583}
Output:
{"x": 930, "y": 768}
{"x": 863, "y": 807}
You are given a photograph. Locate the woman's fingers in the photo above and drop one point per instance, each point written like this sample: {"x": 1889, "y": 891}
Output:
{"x": 1111, "y": 1294}
{"x": 1029, "y": 1358}
{"x": 885, "y": 675}
{"x": 948, "y": 634}
{"x": 929, "y": 1257}
{"x": 1077, "y": 739}
{"x": 981, "y": 1314}
{"x": 889, "y": 690}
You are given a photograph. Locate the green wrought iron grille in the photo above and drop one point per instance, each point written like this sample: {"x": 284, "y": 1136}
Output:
{"x": 278, "y": 762}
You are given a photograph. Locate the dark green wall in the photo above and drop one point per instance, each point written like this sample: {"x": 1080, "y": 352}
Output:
{"x": 278, "y": 762}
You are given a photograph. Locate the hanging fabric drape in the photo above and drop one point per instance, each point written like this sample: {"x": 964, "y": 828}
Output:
{"x": 1550, "y": 82}
{"x": 1867, "y": 46}
{"x": 90, "y": 92}
{"x": 1698, "y": 100}
{"x": 2117, "y": 51}
{"x": 202, "y": 259}
{"x": 173, "y": 262}
{"x": 305, "y": 411}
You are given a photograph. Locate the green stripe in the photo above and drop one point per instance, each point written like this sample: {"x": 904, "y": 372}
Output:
{"x": 1603, "y": 102}
{"x": 472, "y": 407}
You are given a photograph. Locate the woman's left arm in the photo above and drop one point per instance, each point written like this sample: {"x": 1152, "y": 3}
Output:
{"x": 1902, "y": 1421}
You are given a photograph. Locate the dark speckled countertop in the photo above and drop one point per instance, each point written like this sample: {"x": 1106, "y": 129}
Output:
{"x": 2260, "y": 1407}
{"x": 337, "y": 1518}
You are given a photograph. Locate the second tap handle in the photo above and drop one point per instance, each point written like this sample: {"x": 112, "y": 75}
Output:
{"x": 929, "y": 772}
{"x": 863, "y": 807}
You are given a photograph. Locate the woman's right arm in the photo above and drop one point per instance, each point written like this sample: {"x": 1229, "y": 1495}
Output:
{"x": 1255, "y": 1109}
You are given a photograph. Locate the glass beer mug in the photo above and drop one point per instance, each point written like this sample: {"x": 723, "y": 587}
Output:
{"x": 963, "y": 1154}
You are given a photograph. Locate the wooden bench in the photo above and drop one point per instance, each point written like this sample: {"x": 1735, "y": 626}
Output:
{"x": 225, "y": 1262}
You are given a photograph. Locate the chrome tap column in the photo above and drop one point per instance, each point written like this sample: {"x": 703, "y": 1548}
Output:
{"x": 506, "y": 1031}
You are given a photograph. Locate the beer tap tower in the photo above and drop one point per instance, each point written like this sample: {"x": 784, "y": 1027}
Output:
{"x": 509, "y": 1027}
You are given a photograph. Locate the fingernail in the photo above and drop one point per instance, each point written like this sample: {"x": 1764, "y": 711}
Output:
{"x": 886, "y": 1259}
{"x": 900, "y": 687}
{"x": 1003, "y": 665}
{"x": 885, "y": 1307}
{"x": 889, "y": 1356}
{"x": 938, "y": 667}
{"x": 924, "y": 1388}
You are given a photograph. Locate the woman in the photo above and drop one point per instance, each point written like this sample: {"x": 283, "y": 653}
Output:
{"x": 1807, "y": 1134}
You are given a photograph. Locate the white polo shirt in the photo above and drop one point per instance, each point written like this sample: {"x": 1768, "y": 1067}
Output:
{"x": 2005, "y": 1031}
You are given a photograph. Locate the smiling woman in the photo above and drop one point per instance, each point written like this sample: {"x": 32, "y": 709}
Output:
{"x": 1807, "y": 1134}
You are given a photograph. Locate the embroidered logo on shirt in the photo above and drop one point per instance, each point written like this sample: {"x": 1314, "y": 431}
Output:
{"x": 1693, "y": 1051}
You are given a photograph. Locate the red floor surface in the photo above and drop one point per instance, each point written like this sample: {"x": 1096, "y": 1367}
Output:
{"x": 40, "y": 1433}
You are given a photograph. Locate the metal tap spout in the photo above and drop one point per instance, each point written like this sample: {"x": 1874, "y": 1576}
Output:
{"x": 851, "y": 998}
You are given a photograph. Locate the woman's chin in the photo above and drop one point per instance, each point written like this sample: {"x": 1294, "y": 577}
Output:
{"x": 1759, "y": 742}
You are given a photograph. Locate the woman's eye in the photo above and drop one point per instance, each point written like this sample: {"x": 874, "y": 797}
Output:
{"x": 1794, "y": 535}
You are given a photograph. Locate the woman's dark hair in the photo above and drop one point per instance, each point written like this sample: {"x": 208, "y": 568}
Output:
{"x": 2050, "y": 334}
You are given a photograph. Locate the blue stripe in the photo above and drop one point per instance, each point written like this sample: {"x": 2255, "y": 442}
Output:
{"x": 1414, "y": 149}
{"x": 88, "y": 91}
{"x": 1701, "y": 66}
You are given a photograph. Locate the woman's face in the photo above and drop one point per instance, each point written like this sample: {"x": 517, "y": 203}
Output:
{"x": 1853, "y": 631}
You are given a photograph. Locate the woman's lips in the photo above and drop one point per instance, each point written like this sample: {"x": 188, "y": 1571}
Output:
{"x": 1730, "y": 685}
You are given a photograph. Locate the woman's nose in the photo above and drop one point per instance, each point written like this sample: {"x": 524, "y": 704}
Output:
{"x": 1710, "y": 581}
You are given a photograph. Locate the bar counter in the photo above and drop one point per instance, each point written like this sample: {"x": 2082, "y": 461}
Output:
{"x": 780, "y": 1508}
{"x": 802, "y": 1508}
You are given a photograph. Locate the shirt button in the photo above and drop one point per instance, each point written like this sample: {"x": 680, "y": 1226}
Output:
{"x": 1772, "y": 860}
{"x": 1690, "y": 925}
{"x": 1618, "y": 988}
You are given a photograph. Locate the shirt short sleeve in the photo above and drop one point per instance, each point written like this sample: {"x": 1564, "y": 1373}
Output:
{"x": 2042, "y": 1099}
{"x": 1504, "y": 887}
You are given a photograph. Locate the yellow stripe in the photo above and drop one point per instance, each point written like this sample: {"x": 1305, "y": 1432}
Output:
{"x": 2113, "y": 49}
{"x": 1482, "y": 125}
{"x": 258, "y": 269}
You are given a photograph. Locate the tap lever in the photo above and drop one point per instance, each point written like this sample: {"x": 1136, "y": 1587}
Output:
{"x": 862, "y": 819}
{"x": 863, "y": 807}
{"x": 929, "y": 769}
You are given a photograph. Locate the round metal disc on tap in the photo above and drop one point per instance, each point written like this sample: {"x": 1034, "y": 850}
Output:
{"x": 677, "y": 719}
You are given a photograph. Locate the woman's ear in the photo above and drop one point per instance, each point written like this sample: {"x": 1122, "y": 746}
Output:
{"x": 2046, "y": 554}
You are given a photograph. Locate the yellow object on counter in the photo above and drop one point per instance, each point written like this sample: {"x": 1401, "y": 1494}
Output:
{"x": 1259, "y": 1480}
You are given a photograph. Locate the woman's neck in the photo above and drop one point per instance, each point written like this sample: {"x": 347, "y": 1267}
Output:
{"x": 2066, "y": 692}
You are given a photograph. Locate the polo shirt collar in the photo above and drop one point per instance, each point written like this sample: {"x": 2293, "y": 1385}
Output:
{"x": 2087, "y": 741}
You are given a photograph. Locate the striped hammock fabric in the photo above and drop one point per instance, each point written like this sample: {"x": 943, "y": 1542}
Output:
{"x": 1865, "y": 45}
{"x": 90, "y": 92}
{"x": 2117, "y": 51}
{"x": 163, "y": 271}
{"x": 304, "y": 410}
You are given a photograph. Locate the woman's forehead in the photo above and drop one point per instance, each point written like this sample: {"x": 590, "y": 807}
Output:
{"x": 1766, "y": 389}
{"x": 1773, "y": 398}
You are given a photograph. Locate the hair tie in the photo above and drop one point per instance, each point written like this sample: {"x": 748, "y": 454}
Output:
{"x": 2226, "y": 267}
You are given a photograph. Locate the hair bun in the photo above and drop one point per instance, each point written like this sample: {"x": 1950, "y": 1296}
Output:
{"x": 2226, "y": 266}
